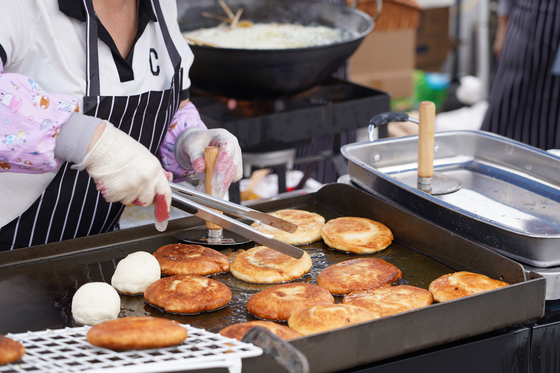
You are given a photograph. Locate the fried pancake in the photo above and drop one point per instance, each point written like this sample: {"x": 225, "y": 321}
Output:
{"x": 10, "y": 350}
{"x": 357, "y": 275}
{"x": 237, "y": 331}
{"x": 181, "y": 259}
{"x": 390, "y": 300}
{"x": 262, "y": 265}
{"x": 188, "y": 294}
{"x": 318, "y": 319}
{"x": 356, "y": 235}
{"x": 136, "y": 333}
{"x": 309, "y": 226}
{"x": 280, "y": 301}
{"x": 461, "y": 284}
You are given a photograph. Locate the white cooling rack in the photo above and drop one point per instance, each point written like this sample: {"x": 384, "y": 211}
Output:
{"x": 66, "y": 350}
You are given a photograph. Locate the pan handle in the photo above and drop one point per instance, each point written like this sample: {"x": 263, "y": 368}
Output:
{"x": 377, "y": 9}
{"x": 283, "y": 352}
{"x": 384, "y": 119}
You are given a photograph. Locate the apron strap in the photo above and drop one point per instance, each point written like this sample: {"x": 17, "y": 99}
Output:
{"x": 92, "y": 54}
{"x": 92, "y": 58}
{"x": 171, "y": 49}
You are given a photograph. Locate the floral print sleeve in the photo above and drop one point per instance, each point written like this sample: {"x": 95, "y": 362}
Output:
{"x": 185, "y": 117}
{"x": 30, "y": 119}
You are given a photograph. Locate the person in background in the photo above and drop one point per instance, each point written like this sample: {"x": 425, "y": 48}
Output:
{"x": 524, "y": 100}
{"x": 90, "y": 92}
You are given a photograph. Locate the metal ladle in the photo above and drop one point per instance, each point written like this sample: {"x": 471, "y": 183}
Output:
{"x": 427, "y": 181}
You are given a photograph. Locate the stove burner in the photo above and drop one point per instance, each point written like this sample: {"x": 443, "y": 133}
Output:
{"x": 263, "y": 126}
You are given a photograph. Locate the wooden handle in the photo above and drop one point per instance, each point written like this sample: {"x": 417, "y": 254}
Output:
{"x": 210, "y": 156}
{"x": 427, "y": 118}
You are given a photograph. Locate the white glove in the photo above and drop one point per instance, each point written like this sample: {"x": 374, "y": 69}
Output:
{"x": 124, "y": 170}
{"x": 189, "y": 152}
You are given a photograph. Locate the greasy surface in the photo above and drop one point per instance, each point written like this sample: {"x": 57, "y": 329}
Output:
{"x": 47, "y": 288}
{"x": 10, "y": 350}
{"x": 262, "y": 265}
{"x": 358, "y": 274}
{"x": 318, "y": 319}
{"x": 280, "y": 301}
{"x": 136, "y": 333}
{"x": 309, "y": 226}
{"x": 356, "y": 235}
{"x": 181, "y": 259}
{"x": 188, "y": 294}
{"x": 390, "y": 300}
{"x": 237, "y": 331}
{"x": 461, "y": 284}
{"x": 37, "y": 284}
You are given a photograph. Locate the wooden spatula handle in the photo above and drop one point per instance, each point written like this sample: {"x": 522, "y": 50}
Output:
{"x": 210, "y": 156}
{"x": 426, "y": 129}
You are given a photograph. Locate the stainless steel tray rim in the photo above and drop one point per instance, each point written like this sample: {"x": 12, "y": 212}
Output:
{"x": 510, "y": 200}
{"x": 448, "y": 206}
{"x": 442, "y": 166}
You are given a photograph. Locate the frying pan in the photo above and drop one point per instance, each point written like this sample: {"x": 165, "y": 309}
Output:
{"x": 268, "y": 74}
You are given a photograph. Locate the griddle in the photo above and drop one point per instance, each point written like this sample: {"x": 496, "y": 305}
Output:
{"x": 37, "y": 283}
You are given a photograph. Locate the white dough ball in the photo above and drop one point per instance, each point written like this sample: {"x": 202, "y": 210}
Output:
{"x": 135, "y": 273}
{"x": 95, "y": 302}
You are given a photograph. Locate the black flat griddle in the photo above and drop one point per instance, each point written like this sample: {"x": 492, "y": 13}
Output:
{"x": 37, "y": 283}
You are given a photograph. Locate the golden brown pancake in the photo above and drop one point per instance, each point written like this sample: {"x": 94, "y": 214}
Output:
{"x": 237, "y": 331}
{"x": 263, "y": 265}
{"x": 10, "y": 350}
{"x": 181, "y": 259}
{"x": 309, "y": 226}
{"x": 357, "y": 275}
{"x": 461, "y": 284}
{"x": 318, "y": 319}
{"x": 188, "y": 294}
{"x": 136, "y": 333}
{"x": 356, "y": 235}
{"x": 390, "y": 300}
{"x": 280, "y": 301}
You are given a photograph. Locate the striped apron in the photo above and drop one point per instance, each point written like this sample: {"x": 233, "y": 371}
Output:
{"x": 524, "y": 102}
{"x": 70, "y": 206}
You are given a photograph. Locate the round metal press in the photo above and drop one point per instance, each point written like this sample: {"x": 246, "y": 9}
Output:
{"x": 427, "y": 181}
{"x": 211, "y": 234}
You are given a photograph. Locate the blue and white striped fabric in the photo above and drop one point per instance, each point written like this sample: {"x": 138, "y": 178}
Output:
{"x": 524, "y": 101}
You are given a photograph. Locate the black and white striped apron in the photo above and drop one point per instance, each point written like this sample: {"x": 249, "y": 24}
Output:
{"x": 70, "y": 206}
{"x": 524, "y": 102}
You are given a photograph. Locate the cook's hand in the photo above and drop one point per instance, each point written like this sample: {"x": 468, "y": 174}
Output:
{"x": 189, "y": 151}
{"x": 125, "y": 171}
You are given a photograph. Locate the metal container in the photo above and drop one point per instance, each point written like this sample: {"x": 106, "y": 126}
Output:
{"x": 37, "y": 284}
{"x": 510, "y": 199}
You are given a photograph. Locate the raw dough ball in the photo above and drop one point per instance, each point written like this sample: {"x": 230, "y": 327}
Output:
{"x": 135, "y": 273}
{"x": 95, "y": 302}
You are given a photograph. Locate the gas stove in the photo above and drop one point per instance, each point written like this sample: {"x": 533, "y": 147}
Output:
{"x": 328, "y": 109}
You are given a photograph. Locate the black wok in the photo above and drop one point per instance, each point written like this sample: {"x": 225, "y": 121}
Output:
{"x": 269, "y": 74}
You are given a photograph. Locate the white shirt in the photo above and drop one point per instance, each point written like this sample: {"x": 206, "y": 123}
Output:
{"x": 40, "y": 41}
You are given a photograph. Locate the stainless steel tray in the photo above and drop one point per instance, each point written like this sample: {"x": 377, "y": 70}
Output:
{"x": 510, "y": 199}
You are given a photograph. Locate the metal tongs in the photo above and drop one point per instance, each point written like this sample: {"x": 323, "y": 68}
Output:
{"x": 202, "y": 205}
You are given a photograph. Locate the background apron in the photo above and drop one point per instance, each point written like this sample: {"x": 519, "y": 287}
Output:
{"x": 524, "y": 102}
{"x": 71, "y": 206}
